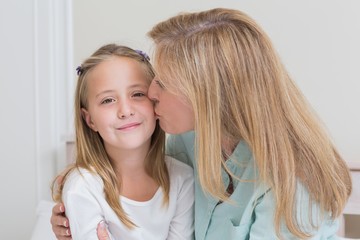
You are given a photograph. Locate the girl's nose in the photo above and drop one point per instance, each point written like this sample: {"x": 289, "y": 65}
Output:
{"x": 125, "y": 110}
{"x": 123, "y": 116}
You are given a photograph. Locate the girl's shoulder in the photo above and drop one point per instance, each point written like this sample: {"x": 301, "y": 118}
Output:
{"x": 178, "y": 170}
{"x": 80, "y": 178}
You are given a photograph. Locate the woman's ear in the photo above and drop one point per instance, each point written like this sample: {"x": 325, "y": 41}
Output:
{"x": 86, "y": 116}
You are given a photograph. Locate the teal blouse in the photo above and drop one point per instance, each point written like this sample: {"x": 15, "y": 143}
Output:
{"x": 251, "y": 213}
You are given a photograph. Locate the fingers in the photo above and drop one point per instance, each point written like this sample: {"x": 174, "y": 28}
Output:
{"x": 59, "y": 179}
{"x": 58, "y": 216}
{"x": 102, "y": 232}
{"x": 58, "y": 209}
{"x": 62, "y": 233}
{"x": 59, "y": 223}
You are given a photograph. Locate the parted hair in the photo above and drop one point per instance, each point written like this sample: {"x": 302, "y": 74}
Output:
{"x": 90, "y": 150}
{"x": 227, "y": 67}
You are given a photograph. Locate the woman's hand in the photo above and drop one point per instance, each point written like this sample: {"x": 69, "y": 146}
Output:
{"x": 60, "y": 224}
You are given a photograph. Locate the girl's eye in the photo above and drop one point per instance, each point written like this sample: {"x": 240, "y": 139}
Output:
{"x": 138, "y": 94}
{"x": 107, "y": 100}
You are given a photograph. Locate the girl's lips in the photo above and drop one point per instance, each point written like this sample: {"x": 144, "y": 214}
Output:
{"x": 129, "y": 126}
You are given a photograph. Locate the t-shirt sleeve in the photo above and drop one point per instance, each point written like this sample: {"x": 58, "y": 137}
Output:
{"x": 82, "y": 208}
{"x": 182, "y": 224}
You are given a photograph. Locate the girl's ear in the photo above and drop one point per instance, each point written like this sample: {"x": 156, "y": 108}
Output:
{"x": 86, "y": 116}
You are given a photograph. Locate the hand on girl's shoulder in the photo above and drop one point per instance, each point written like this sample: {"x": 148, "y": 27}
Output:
{"x": 181, "y": 177}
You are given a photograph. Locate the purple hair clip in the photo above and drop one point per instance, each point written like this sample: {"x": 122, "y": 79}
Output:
{"x": 79, "y": 70}
{"x": 145, "y": 56}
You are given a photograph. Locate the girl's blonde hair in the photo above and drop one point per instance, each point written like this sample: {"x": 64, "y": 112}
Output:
{"x": 224, "y": 63}
{"x": 90, "y": 150}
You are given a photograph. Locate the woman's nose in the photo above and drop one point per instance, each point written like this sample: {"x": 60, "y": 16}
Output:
{"x": 152, "y": 92}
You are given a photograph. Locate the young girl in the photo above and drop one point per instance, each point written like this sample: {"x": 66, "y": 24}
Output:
{"x": 121, "y": 175}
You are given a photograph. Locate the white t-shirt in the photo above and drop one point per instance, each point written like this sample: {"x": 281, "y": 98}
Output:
{"x": 86, "y": 206}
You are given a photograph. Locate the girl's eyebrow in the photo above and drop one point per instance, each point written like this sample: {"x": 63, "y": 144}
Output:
{"x": 103, "y": 92}
{"x": 135, "y": 85}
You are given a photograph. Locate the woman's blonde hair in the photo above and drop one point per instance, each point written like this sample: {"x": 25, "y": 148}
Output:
{"x": 90, "y": 150}
{"x": 224, "y": 63}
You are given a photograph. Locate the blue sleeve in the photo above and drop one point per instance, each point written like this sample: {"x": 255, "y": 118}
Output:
{"x": 263, "y": 226}
{"x": 177, "y": 146}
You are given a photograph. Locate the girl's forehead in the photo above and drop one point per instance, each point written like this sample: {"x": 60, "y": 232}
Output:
{"x": 123, "y": 71}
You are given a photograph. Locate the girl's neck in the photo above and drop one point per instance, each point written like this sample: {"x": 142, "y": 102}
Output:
{"x": 127, "y": 161}
{"x": 133, "y": 180}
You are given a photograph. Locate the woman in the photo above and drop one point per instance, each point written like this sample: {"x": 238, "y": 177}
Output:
{"x": 264, "y": 166}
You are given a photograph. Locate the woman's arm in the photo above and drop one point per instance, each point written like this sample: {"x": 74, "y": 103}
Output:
{"x": 264, "y": 227}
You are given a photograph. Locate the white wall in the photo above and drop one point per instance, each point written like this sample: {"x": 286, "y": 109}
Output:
{"x": 317, "y": 40}
{"x": 33, "y": 88}
{"x": 17, "y": 106}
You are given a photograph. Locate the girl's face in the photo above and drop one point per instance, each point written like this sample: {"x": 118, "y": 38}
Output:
{"x": 118, "y": 106}
{"x": 175, "y": 114}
